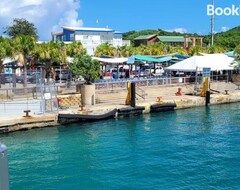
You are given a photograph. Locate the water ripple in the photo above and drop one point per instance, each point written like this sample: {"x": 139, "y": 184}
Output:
{"x": 186, "y": 149}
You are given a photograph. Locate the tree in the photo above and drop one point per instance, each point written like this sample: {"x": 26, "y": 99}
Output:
{"x": 75, "y": 48}
{"x": 49, "y": 53}
{"x": 21, "y": 27}
{"x": 86, "y": 67}
{"x": 236, "y": 62}
{"x": 195, "y": 50}
{"x": 215, "y": 49}
{"x": 105, "y": 49}
{"x": 23, "y": 46}
{"x": 126, "y": 51}
{"x": 5, "y": 51}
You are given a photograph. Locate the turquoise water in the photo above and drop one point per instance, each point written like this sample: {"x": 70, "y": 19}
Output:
{"x": 195, "y": 148}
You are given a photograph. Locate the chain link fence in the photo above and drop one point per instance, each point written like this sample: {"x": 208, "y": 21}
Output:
{"x": 20, "y": 95}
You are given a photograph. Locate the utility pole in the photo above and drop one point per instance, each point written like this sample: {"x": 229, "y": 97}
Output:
{"x": 212, "y": 27}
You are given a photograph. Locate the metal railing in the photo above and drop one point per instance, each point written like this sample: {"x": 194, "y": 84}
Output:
{"x": 121, "y": 84}
{"x": 141, "y": 93}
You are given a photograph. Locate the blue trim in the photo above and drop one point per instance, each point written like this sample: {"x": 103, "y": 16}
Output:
{"x": 94, "y": 31}
{"x": 59, "y": 37}
{"x": 67, "y": 33}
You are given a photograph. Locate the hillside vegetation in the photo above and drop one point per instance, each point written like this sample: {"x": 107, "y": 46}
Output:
{"x": 228, "y": 40}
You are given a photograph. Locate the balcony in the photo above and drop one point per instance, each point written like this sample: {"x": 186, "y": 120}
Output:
{"x": 95, "y": 43}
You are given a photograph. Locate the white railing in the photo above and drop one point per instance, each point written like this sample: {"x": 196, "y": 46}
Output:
{"x": 115, "y": 43}
{"x": 122, "y": 84}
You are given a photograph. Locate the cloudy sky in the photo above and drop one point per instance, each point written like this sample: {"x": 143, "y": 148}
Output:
{"x": 47, "y": 15}
{"x": 125, "y": 15}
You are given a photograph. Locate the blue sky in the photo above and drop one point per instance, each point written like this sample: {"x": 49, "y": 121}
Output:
{"x": 122, "y": 15}
{"x": 126, "y": 15}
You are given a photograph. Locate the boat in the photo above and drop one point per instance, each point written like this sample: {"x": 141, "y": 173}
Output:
{"x": 162, "y": 107}
{"x": 75, "y": 118}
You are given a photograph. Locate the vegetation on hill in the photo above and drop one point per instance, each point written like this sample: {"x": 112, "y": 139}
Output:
{"x": 133, "y": 34}
{"x": 226, "y": 41}
{"x": 229, "y": 39}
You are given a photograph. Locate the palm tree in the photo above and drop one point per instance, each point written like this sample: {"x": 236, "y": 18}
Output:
{"x": 75, "y": 48}
{"x": 6, "y": 50}
{"x": 105, "y": 49}
{"x": 127, "y": 51}
{"x": 49, "y": 53}
{"x": 215, "y": 49}
{"x": 177, "y": 49}
{"x": 195, "y": 50}
{"x": 23, "y": 46}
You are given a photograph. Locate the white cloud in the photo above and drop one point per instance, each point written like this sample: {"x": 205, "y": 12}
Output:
{"x": 180, "y": 30}
{"x": 47, "y": 15}
{"x": 224, "y": 29}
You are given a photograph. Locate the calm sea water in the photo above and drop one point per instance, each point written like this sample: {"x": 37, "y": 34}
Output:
{"x": 195, "y": 148}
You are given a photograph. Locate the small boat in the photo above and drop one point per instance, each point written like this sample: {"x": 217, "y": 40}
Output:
{"x": 162, "y": 107}
{"x": 75, "y": 118}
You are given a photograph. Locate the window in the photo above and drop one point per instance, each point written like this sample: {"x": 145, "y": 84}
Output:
{"x": 71, "y": 37}
{"x": 85, "y": 37}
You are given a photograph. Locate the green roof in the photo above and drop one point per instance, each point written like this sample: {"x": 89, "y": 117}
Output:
{"x": 145, "y": 37}
{"x": 171, "y": 38}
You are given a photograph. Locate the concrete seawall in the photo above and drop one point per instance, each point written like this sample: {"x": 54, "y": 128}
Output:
{"x": 37, "y": 121}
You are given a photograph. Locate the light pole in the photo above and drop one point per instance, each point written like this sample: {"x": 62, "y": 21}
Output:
{"x": 212, "y": 26}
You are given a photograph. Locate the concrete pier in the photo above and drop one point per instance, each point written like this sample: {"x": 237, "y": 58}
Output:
{"x": 167, "y": 95}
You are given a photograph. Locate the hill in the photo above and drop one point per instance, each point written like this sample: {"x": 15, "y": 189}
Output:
{"x": 133, "y": 34}
{"x": 228, "y": 40}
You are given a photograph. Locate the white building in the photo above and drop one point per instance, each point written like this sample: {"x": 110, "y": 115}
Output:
{"x": 91, "y": 37}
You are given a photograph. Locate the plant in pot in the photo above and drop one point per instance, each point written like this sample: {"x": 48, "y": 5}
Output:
{"x": 89, "y": 69}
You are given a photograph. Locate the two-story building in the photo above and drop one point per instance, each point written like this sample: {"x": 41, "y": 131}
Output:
{"x": 91, "y": 37}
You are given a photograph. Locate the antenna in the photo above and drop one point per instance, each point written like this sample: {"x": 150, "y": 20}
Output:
{"x": 212, "y": 26}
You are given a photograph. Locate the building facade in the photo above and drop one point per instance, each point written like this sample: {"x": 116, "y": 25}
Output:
{"x": 146, "y": 40}
{"x": 91, "y": 37}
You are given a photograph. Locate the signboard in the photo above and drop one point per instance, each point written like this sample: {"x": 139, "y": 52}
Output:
{"x": 8, "y": 71}
{"x": 206, "y": 72}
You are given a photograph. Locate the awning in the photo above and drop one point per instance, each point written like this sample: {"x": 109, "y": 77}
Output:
{"x": 111, "y": 60}
{"x": 148, "y": 59}
{"x": 214, "y": 61}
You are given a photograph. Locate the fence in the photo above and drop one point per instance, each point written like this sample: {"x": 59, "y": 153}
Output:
{"x": 37, "y": 98}
{"x": 122, "y": 84}
{"x": 111, "y": 85}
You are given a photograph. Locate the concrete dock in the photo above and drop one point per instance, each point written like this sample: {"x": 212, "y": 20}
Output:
{"x": 223, "y": 93}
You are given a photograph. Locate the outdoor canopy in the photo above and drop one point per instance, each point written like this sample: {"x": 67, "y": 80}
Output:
{"x": 111, "y": 60}
{"x": 214, "y": 61}
{"x": 131, "y": 59}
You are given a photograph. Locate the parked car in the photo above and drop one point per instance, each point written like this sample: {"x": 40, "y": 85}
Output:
{"x": 7, "y": 78}
{"x": 32, "y": 77}
{"x": 63, "y": 74}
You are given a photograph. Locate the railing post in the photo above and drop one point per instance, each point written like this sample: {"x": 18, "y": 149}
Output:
{"x": 133, "y": 94}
